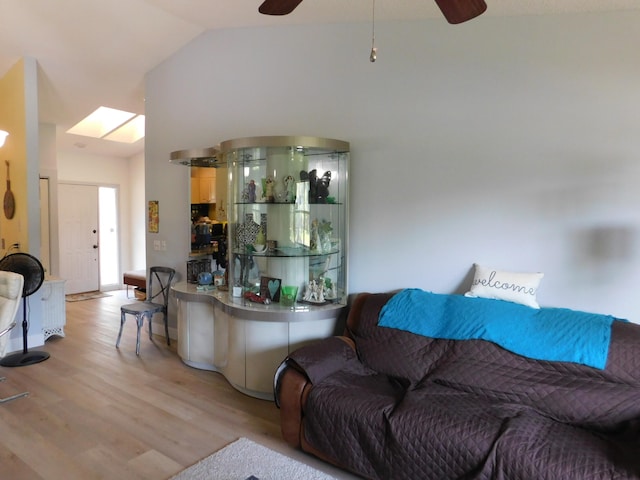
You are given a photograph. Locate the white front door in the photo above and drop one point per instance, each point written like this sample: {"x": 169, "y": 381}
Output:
{"x": 78, "y": 231}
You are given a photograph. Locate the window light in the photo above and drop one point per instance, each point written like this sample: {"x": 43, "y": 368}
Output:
{"x": 104, "y": 122}
{"x": 130, "y": 132}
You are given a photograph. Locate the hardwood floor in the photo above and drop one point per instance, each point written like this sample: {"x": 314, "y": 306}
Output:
{"x": 97, "y": 412}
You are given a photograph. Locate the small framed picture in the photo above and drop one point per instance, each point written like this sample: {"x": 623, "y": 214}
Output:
{"x": 270, "y": 288}
{"x": 154, "y": 216}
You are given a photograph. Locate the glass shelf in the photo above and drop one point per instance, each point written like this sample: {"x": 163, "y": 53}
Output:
{"x": 328, "y": 204}
{"x": 302, "y": 252}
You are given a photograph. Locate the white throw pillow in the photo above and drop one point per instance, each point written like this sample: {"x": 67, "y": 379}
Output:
{"x": 510, "y": 286}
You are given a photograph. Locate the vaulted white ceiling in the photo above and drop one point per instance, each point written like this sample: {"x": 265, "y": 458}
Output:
{"x": 96, "y": 52}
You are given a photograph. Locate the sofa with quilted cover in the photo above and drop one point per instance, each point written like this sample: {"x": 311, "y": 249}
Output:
{"x": 389, "y": 404}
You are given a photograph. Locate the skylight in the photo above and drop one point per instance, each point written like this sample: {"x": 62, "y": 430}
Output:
{"x": 111, "y": 124}
{"x": 130, "y": 132}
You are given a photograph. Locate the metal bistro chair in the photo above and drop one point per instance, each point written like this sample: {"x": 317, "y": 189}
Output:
{"x": 11, "y": 286}
{"x": 164, "y": 276}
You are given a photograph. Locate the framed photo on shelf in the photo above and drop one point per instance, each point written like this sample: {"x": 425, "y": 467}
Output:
{"x": 270, "y": 288}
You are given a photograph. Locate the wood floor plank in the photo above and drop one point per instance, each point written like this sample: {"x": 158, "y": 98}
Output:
{"x": 102, "y": 462}
{"x": 153, "y": 464}
{"x": 100, "y": 412}
{"x": 14, "y": 467}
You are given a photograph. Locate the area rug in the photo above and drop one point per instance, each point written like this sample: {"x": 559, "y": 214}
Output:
{"x": 244, "y": 459}
{"x": 78, "y": 297}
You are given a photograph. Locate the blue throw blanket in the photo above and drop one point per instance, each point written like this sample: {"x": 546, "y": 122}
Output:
{"x": 556, "y": 334}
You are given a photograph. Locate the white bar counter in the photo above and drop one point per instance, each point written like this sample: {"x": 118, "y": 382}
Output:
{"x": 243, "y": 340}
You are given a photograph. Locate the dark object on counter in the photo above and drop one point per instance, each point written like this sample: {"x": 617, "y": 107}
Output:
{"x": 205, "y": 278}
{"x": 220, "y": 255}
{"x": 203, "y": 234}
{"x": 196, "y": 267}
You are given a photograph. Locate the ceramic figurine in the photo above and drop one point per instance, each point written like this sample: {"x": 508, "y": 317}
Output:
{"x": 322, "y": 188}
{"x": 329, "y": 289}
{"x": 251, "y": 192}
{"x": 269, "y": 190}
{"x": 314, "y": 292}
{"x": 314, "y": 238}
{"x": 290, "y": 187}
{"x": 313, "y": 185}
{"x": 260, "y": 238}
{"x": 253, "y": 272}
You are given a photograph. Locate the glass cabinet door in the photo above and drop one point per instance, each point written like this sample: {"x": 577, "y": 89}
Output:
{"x": 288, "y": 227}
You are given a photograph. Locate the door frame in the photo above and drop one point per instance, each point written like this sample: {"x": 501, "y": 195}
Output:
{"x": 97, "y": 186}
{"x": 53, "y": 247}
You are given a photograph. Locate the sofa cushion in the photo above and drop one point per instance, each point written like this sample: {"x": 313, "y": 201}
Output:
{"x": 441, "y": 433}
{"x": 532, "y": 446}
{"x": 578, "y": 396}
{"x": 345, "y": 418}
{"x": 411, "y": 356}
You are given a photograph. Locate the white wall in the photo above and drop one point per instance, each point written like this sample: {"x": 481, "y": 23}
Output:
{"x": 511, "y": 142}
{"x": 49, "y": 170}
{"x": 137, "y": 214}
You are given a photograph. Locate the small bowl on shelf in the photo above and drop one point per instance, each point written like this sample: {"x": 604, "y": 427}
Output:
{"x": 259, "y": 247}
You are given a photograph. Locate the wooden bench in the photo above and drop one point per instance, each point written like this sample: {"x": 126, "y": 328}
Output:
{"x": 136, "y": 278}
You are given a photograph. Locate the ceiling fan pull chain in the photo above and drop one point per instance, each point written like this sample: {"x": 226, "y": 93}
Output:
{"x": 374, "y": 51}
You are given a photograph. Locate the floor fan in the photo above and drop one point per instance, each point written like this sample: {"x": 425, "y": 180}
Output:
{"x": 33, "y": 272}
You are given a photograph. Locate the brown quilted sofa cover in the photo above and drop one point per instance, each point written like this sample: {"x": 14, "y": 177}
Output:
{"x": 388, "y": 404}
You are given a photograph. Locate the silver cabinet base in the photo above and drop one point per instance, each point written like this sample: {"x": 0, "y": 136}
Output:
{"x": 242, "y": 341}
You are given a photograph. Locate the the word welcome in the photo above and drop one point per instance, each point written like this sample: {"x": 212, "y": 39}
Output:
{"x": 490, "y": 282}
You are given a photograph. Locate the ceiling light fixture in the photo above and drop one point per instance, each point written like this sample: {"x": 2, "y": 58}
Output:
{"x": 374, "y": 51}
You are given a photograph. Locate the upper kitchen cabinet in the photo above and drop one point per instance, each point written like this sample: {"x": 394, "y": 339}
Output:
{"x": 203, "y": 185}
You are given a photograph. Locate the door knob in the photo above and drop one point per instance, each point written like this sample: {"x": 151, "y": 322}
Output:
{"x": 95, "y": 246}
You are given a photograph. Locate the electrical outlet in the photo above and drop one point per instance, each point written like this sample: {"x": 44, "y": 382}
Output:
{"x": 163, "y": 246}
{"x": 156, "y": 245}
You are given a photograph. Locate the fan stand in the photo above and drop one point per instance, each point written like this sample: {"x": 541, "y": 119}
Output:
{"x": 24, "y": 358}
{"x": 31, "y": 269}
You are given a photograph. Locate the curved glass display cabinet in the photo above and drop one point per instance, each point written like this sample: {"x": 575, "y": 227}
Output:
{"x": 287, "y": 242}
{"x": 288, "y": 225}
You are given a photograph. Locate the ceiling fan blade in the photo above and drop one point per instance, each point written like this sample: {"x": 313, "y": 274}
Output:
{"x": 278, "y": 7}
{"x": 458, "y": 11}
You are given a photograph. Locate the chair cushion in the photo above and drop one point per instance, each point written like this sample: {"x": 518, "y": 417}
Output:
{"x": 142, "y": 307}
